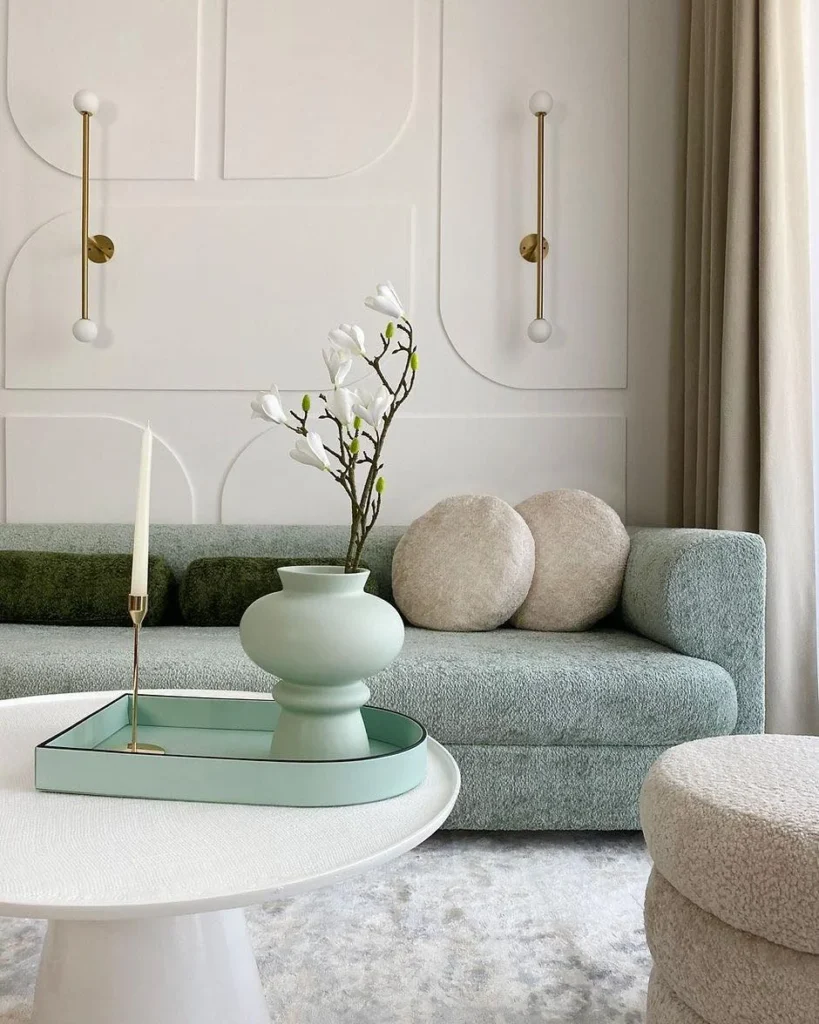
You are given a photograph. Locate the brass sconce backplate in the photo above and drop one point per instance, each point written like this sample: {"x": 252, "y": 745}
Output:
{"x": 100, "y": 248}
{"x": 528, "y": 248}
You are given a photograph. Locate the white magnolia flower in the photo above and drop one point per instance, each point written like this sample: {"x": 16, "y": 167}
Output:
{"x": 385, "y": 301}
{"x": 310, "y": 451}
{"x": 372, "y": 408}
{"x": 338, "y": 363}
{"x": 340, "y": 403}
{"x": 349, "y": 338}
{"x": 268, "y": 406}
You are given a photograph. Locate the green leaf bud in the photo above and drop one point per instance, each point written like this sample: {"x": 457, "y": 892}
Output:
{"x": 357, "y": 423}
{"x": 305, "y": 404}
{"x": 355, "y": 447}
{"x": 414, "y": 362}
{"x": 380, "y": 484}
{"x": 390, "y": 331}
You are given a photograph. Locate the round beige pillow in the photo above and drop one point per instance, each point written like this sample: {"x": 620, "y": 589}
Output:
{"x": 581, "y": 551}
{"x": 465, "y": 565}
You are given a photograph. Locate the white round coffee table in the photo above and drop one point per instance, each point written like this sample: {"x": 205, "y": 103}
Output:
{"x": 142, "y": 896}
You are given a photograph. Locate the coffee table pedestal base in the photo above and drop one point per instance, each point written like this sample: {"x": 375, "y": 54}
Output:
{"x": 159, "y": 970}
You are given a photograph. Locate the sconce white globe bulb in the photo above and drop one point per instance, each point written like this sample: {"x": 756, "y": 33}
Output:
{"x": 85, "y": 331}
{"x": 86, "y": 102}
{"x": 541, "y": 102}
{"x": 539, "y": 331}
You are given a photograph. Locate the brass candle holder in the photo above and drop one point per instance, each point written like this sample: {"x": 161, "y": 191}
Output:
{"x": 138, "y": 609}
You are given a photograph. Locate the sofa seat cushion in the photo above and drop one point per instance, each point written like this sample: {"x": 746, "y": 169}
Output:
{"x": 508, "y": 687}
{"x": 516, "y": 687}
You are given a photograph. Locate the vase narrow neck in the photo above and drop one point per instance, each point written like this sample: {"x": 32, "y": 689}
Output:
{"x": 322, "y": 579}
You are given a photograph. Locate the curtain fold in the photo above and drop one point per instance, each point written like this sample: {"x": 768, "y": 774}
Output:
{"x": 747, "y": 420}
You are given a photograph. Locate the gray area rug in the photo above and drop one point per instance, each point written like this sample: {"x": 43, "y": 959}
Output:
{"x": 470, "y": 928}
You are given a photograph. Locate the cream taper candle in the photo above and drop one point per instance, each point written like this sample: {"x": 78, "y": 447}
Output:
{"x": 139, "y": 565}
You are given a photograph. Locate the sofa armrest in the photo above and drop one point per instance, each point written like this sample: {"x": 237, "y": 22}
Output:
{"x": 702, "y": 593}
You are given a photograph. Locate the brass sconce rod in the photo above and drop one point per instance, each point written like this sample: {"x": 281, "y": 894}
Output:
{"x": 534, "y": 248}
{"x": 539, "y": 250}
{"x": 84, "y": 226}
{"x": 97, "y": 248}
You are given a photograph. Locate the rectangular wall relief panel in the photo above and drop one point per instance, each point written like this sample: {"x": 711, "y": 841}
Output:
{"x": 83, "y": 469}
{"x": 315, "y": 89}
{"x": 141, "y": 61}
{"x": 495, "y": 55}
{"x": 219, "y": 297}
{"x": 512, "y": 457}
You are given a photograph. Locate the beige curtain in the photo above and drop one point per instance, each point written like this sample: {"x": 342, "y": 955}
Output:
{"x": 747, "y": 419}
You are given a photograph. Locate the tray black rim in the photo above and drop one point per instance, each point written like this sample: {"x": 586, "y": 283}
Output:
{"x": 212, "y": 757}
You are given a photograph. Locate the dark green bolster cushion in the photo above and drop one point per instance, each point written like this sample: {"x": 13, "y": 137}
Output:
{"x": 52, "y": 588}
{"x": 217, "y": 591}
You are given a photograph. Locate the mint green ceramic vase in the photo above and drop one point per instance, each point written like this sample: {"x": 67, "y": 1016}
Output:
{"x": 322, "y": 636}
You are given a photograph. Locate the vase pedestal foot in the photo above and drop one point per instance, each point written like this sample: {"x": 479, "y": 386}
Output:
{"x": 320, "y": 723}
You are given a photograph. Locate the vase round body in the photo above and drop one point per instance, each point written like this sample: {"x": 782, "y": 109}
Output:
{"x": 322, "y": 636}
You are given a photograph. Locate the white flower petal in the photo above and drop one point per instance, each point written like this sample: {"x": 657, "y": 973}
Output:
{"x": 385, "y": 301}
{"x": 316, "y": 446}
{"x": 363, "y": 413}
{"x": 340, "y": 404}
{"x": 310, "y": 451}
{"x": 373, "y": 408}
{"x": 338, "y": 363}
{"x": 299, "y": 456}
{"x": 349, "y": 338}
{"x": 267, "y": 406}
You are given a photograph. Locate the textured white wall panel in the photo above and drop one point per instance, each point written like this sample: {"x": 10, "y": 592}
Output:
{"x": 141, "y": 61}
{"x": 83, "y": 469}
{"x": 315, "y": 88}
{"x": 495, "y": 55}
{"x": 218, "y": 297}
{"x": 429, "y": 458}
{"x": 220, "y": 287}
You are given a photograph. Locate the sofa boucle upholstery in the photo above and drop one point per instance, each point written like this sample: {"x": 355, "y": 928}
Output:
{"x": 586, "y": 688}
{"x": 702, "y": 593}
{"x": 550, "y": 730}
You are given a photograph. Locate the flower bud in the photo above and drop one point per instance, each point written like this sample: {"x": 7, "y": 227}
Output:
{"x": 305, "y": 404}
{"x": 380, "y": 484}
{"x": 355, "y": 447}
{"x": 357, "y": 423}
{"x": 414, "y": 362}
{"x": 390, "y": 330}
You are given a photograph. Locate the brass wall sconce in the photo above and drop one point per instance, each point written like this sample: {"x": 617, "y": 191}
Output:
{"x": 97, "y": 248}
{"x": 534, "y": 248}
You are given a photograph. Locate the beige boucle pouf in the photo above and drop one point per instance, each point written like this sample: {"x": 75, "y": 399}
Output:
{"x": 581, "y": 549}
{"x": 467, "y": 564}
{"x": 732, "y": 908}
{"x": 664, "y": 1007}
{"x": 725, "y": 975}
{"x": 733, "y": 823}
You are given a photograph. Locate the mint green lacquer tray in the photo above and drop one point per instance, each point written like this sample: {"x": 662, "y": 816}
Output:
{"x": 217, "y": 750}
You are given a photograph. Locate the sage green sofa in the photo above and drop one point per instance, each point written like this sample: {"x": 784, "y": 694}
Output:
{"x": 551, "y": 730}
